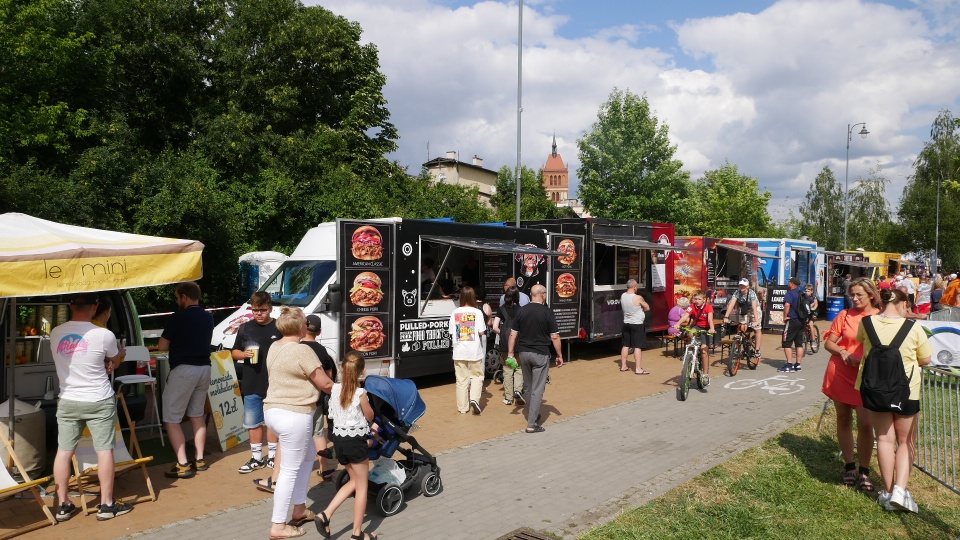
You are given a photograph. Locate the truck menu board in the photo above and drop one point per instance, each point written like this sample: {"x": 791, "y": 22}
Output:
{"x": 365, "y": 255}
{"x": 773, "y": 310}
{"x": 567, "y": 272}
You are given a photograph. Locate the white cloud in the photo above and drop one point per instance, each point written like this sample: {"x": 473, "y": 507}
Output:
{"x": 771, "y": 92}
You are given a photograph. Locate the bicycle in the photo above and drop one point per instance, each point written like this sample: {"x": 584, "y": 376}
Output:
{"x": 691, "y": 363}
{"x": 811, "y": 338}
{"x": 743, "y": 347}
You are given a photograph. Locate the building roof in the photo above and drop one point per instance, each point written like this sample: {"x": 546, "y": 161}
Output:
{"x": 444, "y": 161}
{"x": 554, "y": 163}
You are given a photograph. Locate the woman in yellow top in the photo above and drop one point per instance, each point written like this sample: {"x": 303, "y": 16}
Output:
{"x": 896, "y": 432}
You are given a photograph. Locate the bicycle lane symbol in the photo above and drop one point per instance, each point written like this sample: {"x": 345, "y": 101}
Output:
{"x": 777, "y": 385}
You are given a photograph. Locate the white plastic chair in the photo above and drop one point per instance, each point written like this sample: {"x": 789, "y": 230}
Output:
{"x": 139, "y": 353}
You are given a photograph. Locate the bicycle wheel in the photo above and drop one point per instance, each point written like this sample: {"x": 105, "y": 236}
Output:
{"x": 733, "y": 363}
{"x": 813, "y": 340}
{"x": 748, "y": 351}
{"x": 702, "y": 379}
{"x": 684, "y": 390}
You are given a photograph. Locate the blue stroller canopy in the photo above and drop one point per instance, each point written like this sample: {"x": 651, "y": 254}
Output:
{"x": 401, "y": 394}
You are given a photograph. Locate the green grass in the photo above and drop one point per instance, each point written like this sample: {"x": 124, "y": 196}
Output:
{"x": 786, "y": 488}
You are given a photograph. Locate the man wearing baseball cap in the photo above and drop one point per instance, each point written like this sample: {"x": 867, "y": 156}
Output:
{"x": 85, "y": 354}
{"x": 748, "y": 303}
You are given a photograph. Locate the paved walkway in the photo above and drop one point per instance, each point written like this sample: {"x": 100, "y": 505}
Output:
{"x": 581, "y": 472}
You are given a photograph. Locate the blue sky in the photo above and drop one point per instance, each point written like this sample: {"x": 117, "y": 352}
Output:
{"x": 769, "y": 86}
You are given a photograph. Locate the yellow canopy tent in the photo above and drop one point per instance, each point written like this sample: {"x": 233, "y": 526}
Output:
{"x": 40, "y": 258}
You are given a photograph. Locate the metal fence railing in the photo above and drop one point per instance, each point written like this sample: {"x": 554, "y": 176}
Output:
{"x": 938, "y": 441}
{"x": 950, "y": 314}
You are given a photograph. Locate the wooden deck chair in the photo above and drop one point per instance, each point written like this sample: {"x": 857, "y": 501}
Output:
{"x": 10, "y": 487}
{"x": 85, "y": 461}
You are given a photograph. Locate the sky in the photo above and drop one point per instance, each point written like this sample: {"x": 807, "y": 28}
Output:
{"x": 768, "y": 86}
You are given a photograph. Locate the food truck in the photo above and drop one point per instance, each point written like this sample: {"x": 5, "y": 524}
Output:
{"x": 839, "y": 264}
{"x": 386, "y": 287}
{"x": 888, "y": 264}
{"x": 788, "y": 257}
{"x": 716, "y": 265}
{"x": 601, "y": 255}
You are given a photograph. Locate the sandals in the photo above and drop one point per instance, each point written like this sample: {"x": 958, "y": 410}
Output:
{"x": 323, "y": 524}
{"x": 325, "y": 453}
{"x": 642, "y": 372}
{"x": 327, "y": 474}
{"x": 267, "y": 485}
{"x": 864, "y": 484}
{"x": 307, "y": 517}
{"x": 850, "y": 478}
{"x": 297, "y": 532}
{"x": 363, "y": 536}
{"x": 624, "y": 370}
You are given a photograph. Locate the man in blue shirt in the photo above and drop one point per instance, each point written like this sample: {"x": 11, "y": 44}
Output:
{"x": 793, "y": 329}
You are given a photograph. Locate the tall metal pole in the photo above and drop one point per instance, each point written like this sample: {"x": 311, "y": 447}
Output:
{"x": 519, "y": 100}
{"x": 846, "y": 178}
{"x": 936, "y": 238}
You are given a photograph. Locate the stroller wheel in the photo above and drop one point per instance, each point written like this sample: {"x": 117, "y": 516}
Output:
{"x": 342, "y": 479}
{"x": 431, "y": 484}
{"x": 389, "y": 499}
{"x": 491, "y": 362}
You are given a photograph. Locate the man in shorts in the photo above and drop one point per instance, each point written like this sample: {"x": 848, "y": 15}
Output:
{"x": 748, "y": 303}
{"x": 793, "y": 329}
{"x": 634, "y": 335}
{"x": 250, "y": 354}
{"x": 85, "y": 354}
{"x": 187, "y": 337}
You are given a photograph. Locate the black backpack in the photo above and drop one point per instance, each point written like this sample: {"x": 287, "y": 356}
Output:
{"x": 803, "y": 307}
{"x": 884, "y": 385}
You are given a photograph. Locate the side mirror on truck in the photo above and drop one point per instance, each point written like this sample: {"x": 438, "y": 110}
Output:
{"x": 334, "y": 298}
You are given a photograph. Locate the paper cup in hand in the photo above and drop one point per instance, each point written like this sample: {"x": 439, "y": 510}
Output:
{"x": 255, "y": 349}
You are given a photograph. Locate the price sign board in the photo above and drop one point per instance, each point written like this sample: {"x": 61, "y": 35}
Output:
{"x": 226, "y": 401}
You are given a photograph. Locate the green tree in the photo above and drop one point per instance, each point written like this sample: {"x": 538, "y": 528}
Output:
{"x": 534, "y": 203}
{"x": 730, "y": 205}
{"x": 936, "y": 170}
{"x": 822, "y": 212}
{"x": 869, "y": 221}
{"x": 627, "y": 166}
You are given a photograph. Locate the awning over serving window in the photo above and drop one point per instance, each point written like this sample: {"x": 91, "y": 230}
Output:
{"x": 494, "y": 246}
{"x": 744, "y": 249}
{"x": 635, "y": 243}
{"x": 861, "y": 264}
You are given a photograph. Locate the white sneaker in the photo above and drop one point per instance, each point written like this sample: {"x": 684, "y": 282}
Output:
{"x": 909, "y": 504}
{"x": 884, "y": 500}
{"x": 898, "y": 497}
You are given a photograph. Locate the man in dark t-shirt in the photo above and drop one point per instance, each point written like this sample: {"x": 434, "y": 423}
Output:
{"x": 187, "y": 336}
{"x": 534, "y": 329}
{"x": 793, "y": 326}
{"x": 250, "y": 353}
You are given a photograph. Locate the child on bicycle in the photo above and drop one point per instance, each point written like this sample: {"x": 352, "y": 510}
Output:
{"x": 748, "y": 303}
{"x": 811, "y": 299}
{"x": 700, "y": 315}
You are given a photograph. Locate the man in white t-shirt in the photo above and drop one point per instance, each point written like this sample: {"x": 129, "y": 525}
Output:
{"x": 467, "y": 328}
{"x": 85, "y": 354}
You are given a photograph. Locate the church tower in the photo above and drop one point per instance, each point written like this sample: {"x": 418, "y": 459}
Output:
{"x": 556, "y": 176}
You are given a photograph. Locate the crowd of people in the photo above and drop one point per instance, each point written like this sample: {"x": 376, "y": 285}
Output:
{"x": 294, "y": 399}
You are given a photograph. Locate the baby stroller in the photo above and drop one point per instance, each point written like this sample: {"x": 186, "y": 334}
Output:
{"x": 397, "y": 407}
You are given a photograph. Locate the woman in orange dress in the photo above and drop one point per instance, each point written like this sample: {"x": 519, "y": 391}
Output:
{"x": 838, "y": 383}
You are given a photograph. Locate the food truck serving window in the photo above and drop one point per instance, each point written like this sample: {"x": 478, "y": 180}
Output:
{"x": 618, "y": 259}
{"x": 297, "y": 282}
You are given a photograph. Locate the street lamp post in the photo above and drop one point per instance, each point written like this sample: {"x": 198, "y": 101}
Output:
{"x": 846, "y": 177}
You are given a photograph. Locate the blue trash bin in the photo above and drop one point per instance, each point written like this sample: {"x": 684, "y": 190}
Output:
{"x": 834, "y": 307}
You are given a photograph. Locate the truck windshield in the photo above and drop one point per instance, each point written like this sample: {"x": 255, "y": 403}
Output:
{"x": 296, "y": 283}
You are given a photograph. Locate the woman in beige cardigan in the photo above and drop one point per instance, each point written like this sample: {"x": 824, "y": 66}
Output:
{"x": 296, "y": 379}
